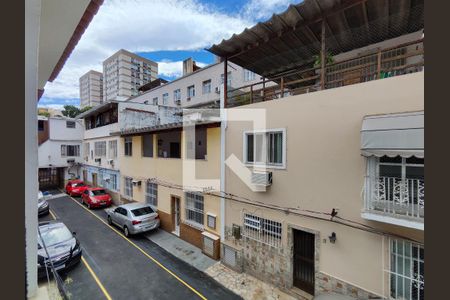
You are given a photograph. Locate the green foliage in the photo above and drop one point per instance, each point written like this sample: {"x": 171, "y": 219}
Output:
{"x": 44, "y": 113}
{"x": 85, "y": 109}
{"x": 328, "y": 59}
{"x": 71, "y": 111}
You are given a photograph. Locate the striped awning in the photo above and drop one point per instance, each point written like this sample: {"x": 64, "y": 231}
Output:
{"x": 393, "y": 135}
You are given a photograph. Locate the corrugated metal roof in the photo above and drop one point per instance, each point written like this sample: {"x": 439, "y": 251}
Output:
{"x": 292, "y": 38}
{"x": 156, "y": 128}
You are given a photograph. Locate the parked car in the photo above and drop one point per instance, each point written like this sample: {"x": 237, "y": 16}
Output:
{"x": 96, "y": 197}
{"x": 75, "y": 187}
{"x": 63, "y": 248}
{"x": 133, "y": 218}
{"x": 43, "y": 207}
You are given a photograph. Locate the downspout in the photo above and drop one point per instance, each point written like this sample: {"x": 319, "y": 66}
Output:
{"x": 223, "y": 126}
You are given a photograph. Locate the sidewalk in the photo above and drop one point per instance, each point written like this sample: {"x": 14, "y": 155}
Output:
{"x": 242, "y": 284}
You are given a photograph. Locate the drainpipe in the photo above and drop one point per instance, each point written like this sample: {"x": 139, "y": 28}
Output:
{"x": 223, "y": 126}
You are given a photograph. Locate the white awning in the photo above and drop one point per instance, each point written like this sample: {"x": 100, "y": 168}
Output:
{"x": 393, "y": 134}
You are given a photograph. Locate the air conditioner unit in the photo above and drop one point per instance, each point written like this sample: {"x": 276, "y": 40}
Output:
{"x": 217, "y": 90}
{"x": 188, "y": 99}
{"x": 70, "y": 160}
{"x": 262, "y": 178}
{"x": 98, "y": 159}
{"x": 86, "y": 158}
{"x": 178, "y": 102}
{"x": 111, "y": 161}
{"x": 136, "y": 182}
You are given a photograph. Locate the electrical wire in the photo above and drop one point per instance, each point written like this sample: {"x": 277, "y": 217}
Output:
{"x": 288, "y": 210}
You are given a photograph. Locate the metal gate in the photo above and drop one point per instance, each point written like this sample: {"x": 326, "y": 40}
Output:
{"x": 304, "y": 272}
{"x": 50, "y": 178}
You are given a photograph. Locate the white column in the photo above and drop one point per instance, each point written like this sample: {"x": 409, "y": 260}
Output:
{"x": 223, "y": 126}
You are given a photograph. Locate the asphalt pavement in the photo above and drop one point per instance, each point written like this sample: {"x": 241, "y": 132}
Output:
{"x": 116, "y": 267}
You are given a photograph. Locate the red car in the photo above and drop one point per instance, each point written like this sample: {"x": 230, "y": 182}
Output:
{"x": 75, "y": 187}
{"x": 96, "y": 197}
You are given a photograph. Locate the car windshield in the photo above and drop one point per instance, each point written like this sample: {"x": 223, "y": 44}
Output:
{"x": 98, "y": 192}
{"x": 142, "y": 211}
{"x": 77, "y": 184}
{"x": 55, "y": 234}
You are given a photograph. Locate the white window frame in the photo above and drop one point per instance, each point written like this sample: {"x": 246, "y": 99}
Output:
{"x": 177, "y": 95}
{"x": 128, "y": 190}
{"x": 151, "y": 194}
{"x": 112, "y": 149}
{"x": 392, "y": 270}
{"x": 113, "y": 182}
{"x": 208, "y": 85}
{"x": 165, "y": 98}
{"x": 64, "y": 150}
{"x": 249, "y": 75}
{"x": 100, "y": 149}
{"x": 155, "y": 100}
{"x": 191, "y": 198}
{"x": 71, "y": 126}
{"x": 267, "y": 164}
{"x": 191, "y": 91}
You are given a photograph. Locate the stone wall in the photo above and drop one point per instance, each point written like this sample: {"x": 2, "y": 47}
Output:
{"x": 327, "y": 284}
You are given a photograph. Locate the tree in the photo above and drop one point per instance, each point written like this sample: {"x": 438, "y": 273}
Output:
{"x": 71, "y": 111}
{"x": 85, "y": 109}
{"x": 44, "y": 113}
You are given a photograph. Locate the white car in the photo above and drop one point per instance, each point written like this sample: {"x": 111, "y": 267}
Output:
{"x": 133, "y": 218}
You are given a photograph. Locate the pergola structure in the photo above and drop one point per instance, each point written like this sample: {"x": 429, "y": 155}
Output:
{"x": 310, "y": 31}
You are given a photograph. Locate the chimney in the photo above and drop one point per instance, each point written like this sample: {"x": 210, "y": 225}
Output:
{"x": 189, "y": 66}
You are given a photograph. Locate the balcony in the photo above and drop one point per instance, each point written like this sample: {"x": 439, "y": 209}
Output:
{"x": 404, "y": 58}
{"x": 395, "y": 200}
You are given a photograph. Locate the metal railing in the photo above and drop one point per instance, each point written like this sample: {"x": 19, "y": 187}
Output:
{"x": 383, "y": 63}
{"x": 398, "y": 197}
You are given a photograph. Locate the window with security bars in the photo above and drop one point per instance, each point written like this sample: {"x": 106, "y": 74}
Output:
{"x": 112, "y": 145}
{"x": 263, "y": 230}
{"x": 128, "y": 188}
{"x": 194, "y": 209}
{"x": 151, "y": 194}
{"x": 406, "y": 270}
{"x": 100, "y": 148}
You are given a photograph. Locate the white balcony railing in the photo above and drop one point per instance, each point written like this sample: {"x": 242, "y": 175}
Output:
{"x": 396, "y": 197}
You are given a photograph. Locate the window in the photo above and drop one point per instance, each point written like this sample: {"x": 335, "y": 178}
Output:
{"x": 191, "y": 91}
{"x": 211, "y": 221}
{"x": 177, "y": 95}
{"x": 169, "y": 144}
{"x": 113, "y": 182}
{"x": 264, "y": 230}
{"x": 165, "y": 98}
{"x": 40, "y": 125}
{"x": 248, "y": 75}
{"x": 128, "y": 189}
{"x": 112, "y": 149}
{"x": 267, "y": 148}
{"x": 70, "y": 150}
{"x": 147, "y": 145}
{"x": 128, "y": 151}
{"x": 194, "y": 209}
{"x": 228, "y": 79}
{"x": 197, "y": 148}
{"x": 151, "y": 194}
{"x": 406, "y": 270}
{"x": 206, "y": 86}
{"x": 155, "y": 101}
{"x": 70, "y": 124}
{"x": 100, "y": 148}
{"x": 86, "y": 149}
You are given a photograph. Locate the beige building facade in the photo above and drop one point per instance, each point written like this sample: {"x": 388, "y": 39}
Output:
{"x": 91, "y": 89}
{"x": 124, "y": 72}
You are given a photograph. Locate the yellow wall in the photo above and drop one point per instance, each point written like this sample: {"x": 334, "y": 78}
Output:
{"x": 325, "y": 169}
{"x": 171, "y": 170}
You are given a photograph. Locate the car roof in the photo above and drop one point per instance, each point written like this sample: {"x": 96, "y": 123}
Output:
{"x": 133, "y": 205}
{"x": 75, "y": 180}
{"x": 95, "y": 188}
{"x": 51, "y": 224}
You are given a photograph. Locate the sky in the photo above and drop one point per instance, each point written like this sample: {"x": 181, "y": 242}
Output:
{"x": 166, "y": 31}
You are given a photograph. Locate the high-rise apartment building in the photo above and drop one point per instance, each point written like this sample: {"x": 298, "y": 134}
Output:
{"x": 124, "y": 72}
{"x": 91, "y": 89}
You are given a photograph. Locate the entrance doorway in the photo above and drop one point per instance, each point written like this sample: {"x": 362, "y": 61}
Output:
{"x": 304, "y": 269}
{"x": 176, "y": 215}
{"x": 85, "y": 176}
{"x": 94, "y": 179}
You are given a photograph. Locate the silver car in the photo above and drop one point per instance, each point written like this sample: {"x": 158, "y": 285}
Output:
{"x": 133, "y": 218}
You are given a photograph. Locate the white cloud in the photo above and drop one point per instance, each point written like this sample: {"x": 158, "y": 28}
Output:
{"x": 173, "y": 69}
{"x": 143, "y": 26}
{"x": 264, "y": 9}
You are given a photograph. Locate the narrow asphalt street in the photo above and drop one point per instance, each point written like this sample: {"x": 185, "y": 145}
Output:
{"x": 134, "y": 268}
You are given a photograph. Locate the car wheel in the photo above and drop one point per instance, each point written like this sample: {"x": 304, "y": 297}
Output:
{"x": 125, "y": 231}
{"x": 109, "y": 220}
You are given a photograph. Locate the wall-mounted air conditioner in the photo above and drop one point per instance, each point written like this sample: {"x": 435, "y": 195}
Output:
{"x": 188, "y": 99}
{"x": 71, "y": 161}
{"x": 136, "y": 182}
{"x": 98, "y": 160}
{"x": 178, "y": 102}
{"x": 111, "y": 161}
{"x": 261, "y": 178}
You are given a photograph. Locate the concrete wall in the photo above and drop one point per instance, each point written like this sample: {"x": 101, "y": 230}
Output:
{"x": 49, "y": 154}
{"x": 104, "y": 162}
{"x": 325, "y": 170}
{"x": 171, "y": 170}
{"x": 59, "y": 131}
{"x": 212, "y": 73}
